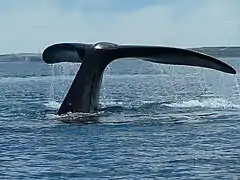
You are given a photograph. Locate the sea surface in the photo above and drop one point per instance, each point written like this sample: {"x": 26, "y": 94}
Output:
{"x": 154, "y": 122}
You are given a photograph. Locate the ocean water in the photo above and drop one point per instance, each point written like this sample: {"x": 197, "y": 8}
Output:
{"x": 155, "y": 122}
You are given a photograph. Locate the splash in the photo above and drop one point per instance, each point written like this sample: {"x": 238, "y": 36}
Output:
{"x": 53, "y": 104}
{"x": 80, "y": 118}
{"x": 60, "y": 73}
{"x": 205, "y": 103}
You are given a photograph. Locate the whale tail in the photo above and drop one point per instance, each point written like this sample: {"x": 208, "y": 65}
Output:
{"x": 83, "y": 93}
{"x": 75, "y": 52}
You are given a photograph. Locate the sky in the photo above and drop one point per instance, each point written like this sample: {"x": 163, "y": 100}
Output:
{"x": 31, "y": 26}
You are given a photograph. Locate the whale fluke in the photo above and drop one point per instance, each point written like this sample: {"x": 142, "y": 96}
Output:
{"x": 74, "y": 52}
{"x": 65, "y": 52}
{"x": 84, "y": 91}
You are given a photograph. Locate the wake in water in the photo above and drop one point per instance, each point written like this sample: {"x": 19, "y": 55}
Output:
{"x": 84, "y": 118}
{"x": 213, "y": 103}
{"x": 112, "y": 109}
{"x": 182, "y": 89}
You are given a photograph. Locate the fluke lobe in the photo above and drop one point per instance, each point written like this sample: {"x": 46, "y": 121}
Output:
{"x": 84, "y": 92}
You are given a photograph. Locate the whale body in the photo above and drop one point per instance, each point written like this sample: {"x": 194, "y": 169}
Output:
{"x": 83, "y": 94}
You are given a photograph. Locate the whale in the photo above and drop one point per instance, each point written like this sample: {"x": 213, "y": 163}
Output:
{"x": 83, "y": 94}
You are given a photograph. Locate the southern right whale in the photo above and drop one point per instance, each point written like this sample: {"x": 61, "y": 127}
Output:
{"x": 84, "y": 92}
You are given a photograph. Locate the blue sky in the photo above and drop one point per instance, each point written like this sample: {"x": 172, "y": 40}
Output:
{"x": 30, "y": 26}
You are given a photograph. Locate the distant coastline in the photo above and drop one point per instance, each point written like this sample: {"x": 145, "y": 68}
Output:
{"x": 220, "y": 52}
{"x": 223, "y": 52}
{"x": 21, "y": 57}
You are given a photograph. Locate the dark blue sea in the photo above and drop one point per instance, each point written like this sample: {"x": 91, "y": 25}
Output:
{"x": 155, "y": 122}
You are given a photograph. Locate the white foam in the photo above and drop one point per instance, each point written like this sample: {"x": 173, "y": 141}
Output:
{"x": 52, "y": 116}
{"x": 210, "y": 103}
{"x": 74, "y": 117}
{"x": 107, "y": 103}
